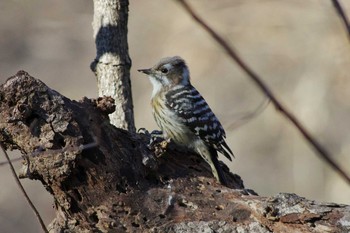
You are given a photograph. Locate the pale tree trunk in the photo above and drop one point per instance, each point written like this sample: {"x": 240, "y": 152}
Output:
{"x": 112, "y": 63}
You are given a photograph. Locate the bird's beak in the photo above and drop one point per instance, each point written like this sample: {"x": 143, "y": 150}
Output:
{"x": 145, "y": 71}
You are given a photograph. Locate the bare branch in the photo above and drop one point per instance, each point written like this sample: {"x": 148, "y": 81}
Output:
{"x": 342, "y": 15}
{"x": 321, "y": 151}
{"x": 12, "y": 160}
{"x": 42, "y": 224}
{"x": 246, "y": 117}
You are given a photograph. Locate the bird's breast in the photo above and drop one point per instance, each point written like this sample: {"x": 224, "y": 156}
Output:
{"x": 170, "y": 123}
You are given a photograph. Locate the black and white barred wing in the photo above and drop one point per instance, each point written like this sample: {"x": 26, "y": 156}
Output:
{"x": 196, "y": 114}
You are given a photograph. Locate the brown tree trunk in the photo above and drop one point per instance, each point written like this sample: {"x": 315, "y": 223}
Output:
{"x": 112, "y": 63}
{"x": 105, "y": 179}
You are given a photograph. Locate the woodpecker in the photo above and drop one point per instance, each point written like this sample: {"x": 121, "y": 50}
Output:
{"x": 184, "y": 116}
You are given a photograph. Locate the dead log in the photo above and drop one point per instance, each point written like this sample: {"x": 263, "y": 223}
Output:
{"x": 105, "y": 179}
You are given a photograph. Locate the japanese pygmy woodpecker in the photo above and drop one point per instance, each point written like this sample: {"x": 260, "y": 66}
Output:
{"x": 184, "y": 116}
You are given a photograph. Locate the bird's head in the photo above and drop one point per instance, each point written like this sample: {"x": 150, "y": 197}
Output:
{"x": 168, "y": 72}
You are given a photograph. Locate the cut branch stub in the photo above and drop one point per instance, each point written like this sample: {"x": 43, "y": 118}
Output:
{"x": 99, "y": 182}
{"x": 96, "y": 174}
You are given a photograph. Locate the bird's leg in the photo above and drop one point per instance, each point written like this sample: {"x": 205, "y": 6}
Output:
{"x": 158, "y": 143}
{"x": 156, "y": 136}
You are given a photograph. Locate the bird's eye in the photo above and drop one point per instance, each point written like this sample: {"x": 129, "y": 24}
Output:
{"x": 164, "y": 70}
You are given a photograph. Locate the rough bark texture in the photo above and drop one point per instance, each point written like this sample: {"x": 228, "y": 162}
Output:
{"x": 112, "y": 63}
{"x": 105, "y": 179}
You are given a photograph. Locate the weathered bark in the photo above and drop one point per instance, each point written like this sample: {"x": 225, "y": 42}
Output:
{"x": 112, "y": 63}
{"x": 104, "y": 179}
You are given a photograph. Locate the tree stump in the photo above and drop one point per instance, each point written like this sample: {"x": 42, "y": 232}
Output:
{"x": 105, "y": 179}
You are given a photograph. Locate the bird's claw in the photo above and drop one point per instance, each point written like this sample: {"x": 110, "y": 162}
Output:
{"x": 156, "y": 143}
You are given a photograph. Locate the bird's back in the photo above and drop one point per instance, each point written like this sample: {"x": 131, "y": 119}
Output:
{"x": 194, "y": 113}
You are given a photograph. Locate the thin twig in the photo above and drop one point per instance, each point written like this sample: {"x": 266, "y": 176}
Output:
{"x": 342, "y": 15}
{"x": 12, "y": 160}
{"x": 23, "y": 191}
{"x": 246, "y": 117}
{"x": 322, "y": 152}
{"x": 40, "y": 150}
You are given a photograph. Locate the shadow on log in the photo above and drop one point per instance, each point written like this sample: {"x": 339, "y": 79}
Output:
{"x": 104, "y": 179}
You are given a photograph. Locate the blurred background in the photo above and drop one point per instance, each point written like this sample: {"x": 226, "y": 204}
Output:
{"x": 300, "y": 49}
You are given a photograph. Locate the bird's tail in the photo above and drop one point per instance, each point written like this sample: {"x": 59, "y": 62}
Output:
{"x": 210, "y": 155}
{"x": 220, "y": 175}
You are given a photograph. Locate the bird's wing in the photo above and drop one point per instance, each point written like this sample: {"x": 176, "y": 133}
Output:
{"x": 189, "y": 105}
